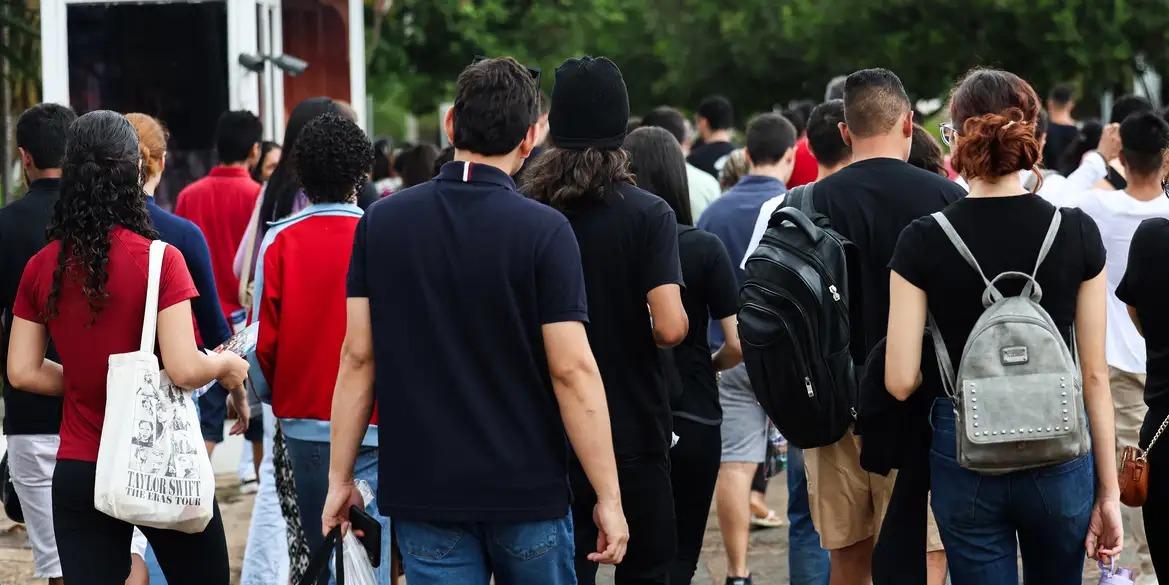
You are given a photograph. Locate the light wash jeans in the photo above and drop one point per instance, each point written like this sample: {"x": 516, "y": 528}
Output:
{"x": 310, "y": 466}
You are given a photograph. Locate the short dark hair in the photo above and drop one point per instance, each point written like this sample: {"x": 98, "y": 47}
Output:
{"x": 545, "y": 104}
{"x": 416, "y": 164}
{"x": 798, "y": 112}
{"x": 925, "y": 152}
{"x": 236, "y": 133}
{"x": 41, "y": 131}
{"x": 332, "y": 158}
{"x": 1128, "y": 105}
{"x": 669, "y": 119}
{"x": 718, "y": 112}
{"x": 1144, "y": 139}
{"x": 1062, "y": 94}
{"x": 1042, "y": 121}
{"x": 824, "y": 137}
{"x": 496, "y": 101}
{"x": 873, "y": 101}
{"x": 769, "y": 137}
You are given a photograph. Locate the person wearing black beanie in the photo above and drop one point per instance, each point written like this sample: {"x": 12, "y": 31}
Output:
{"x": 629, "y": 251}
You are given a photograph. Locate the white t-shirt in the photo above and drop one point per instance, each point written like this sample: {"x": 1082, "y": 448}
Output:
{"x": 765, "y": 212}
{"x": 1063, "y": 191}
{"x": 1118, "y": 215}
{"x": 703, "y": 188}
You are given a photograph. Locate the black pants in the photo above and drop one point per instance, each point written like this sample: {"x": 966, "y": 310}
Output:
{"x": 95, "y": 548}
{"x": 1156, "y": 511}
{"x": 649, "y": 509}
{"x": 694, "y": 463}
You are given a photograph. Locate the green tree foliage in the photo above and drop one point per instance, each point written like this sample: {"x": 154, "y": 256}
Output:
{"x": 765, "y": 52}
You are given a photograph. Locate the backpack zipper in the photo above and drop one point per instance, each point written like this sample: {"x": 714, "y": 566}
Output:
{"x": 801, "y": 359}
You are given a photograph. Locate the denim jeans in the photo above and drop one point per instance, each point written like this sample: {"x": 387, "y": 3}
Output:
{"x": 310, "y": 468}
{"x": 980, "y": 516}
{"x": 470, "y": 553}
{"x": 808, "y": 564}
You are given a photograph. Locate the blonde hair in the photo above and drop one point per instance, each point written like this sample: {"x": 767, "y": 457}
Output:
{"x": 152, "y": 138}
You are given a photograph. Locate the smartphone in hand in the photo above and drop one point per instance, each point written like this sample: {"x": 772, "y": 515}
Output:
{"x": 371, "y": 531}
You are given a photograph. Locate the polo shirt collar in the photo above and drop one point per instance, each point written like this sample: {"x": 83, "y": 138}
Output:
{"x": 469, "y": 172}
{"x": 225, "y": 171}
{"x": 53, "y": 184}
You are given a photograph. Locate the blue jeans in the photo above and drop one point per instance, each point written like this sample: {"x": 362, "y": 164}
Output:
{"x": 980, "y": 516}
{"x": 470, "y": 553}
{"x": 807, "y": 562}
{"x": 310, "y": 470}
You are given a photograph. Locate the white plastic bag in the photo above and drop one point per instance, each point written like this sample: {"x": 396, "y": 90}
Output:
{"x": 152, "y": 465}
{"x": 358, "y": 570}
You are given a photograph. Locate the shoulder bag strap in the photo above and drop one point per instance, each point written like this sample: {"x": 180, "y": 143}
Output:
{"x": 249, "y": 243}
{"x": 945, "y": 366}
{"x": 150, "y": 316}
{"x": 1044, "y": 249}
{"x": 964, "y": 251}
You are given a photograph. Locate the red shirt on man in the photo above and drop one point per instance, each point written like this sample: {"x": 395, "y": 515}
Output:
{"x": 85, "y": 342}
{"x": 221, "y": 205}
{"x": 806, "y": 168}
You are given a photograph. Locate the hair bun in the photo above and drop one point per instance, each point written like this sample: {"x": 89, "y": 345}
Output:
{"x": 996, "y": 144}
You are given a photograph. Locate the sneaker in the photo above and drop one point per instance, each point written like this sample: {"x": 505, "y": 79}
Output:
{"x": 249, "y": 486}
{"x": 739, "y": 580}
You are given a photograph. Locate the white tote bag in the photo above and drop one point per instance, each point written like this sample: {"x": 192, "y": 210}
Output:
{"x": 152, "y": 465}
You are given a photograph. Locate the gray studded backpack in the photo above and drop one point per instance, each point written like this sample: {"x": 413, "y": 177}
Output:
{"x": 1018, "y": 392}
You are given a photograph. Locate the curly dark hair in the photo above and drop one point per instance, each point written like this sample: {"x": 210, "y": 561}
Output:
{"x": 101, "y": 188}
{"x": 331, "y": 159}
{"x": 564, "y": 178}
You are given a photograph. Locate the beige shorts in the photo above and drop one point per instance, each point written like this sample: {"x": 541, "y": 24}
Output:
{"x": 848, "y": 503}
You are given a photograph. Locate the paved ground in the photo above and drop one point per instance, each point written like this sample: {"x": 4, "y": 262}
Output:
{"x": 768, "y": 556}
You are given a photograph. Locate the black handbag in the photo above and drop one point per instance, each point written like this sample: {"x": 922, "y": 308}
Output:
{"x": 8, "y": 493}
{"x": 319, "y": 563}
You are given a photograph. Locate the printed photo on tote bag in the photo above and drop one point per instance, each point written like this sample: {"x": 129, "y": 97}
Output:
{"x": 152, "y": 465}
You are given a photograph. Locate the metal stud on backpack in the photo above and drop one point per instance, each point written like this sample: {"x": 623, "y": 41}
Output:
{"x": 1017, "y": 392}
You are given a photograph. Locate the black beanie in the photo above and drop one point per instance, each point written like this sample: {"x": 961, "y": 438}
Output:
{"x": 590, "y": 105}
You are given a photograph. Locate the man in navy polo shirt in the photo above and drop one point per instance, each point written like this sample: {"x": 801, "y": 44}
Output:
{"x": 466, "y": 318}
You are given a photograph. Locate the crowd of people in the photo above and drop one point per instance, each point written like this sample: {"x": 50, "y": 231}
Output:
{"x": 528, "y": 346}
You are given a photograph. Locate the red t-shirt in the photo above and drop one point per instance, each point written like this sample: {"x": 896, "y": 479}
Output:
{"x": 221, "y": 205}
{"x": 806, "y": 168}
{"x": 85, "y": 345}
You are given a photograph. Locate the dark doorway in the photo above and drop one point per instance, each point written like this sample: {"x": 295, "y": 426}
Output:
{"x": 166, "y": 60}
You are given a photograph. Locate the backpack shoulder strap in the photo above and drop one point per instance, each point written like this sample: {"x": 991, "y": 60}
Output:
{"x": 800, "y": 198}
{"x": 1048, "y": 240}
{"x": 964, "y": 251}
{"x": 945, "y": 365}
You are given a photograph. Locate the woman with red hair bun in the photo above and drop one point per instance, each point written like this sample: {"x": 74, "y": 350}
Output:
{"x": 1052, "y": 514}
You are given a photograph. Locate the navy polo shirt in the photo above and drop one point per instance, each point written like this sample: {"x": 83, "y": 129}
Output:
{"x": 461, "y": 272}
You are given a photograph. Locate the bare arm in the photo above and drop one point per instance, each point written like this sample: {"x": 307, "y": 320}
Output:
{"x": 188, "y": 367}
{"x": 670, "y": 323}
{"x": 185, "y": 364}
{"x": 731, "y": 352}
{"x": 1105, "y": 536}
{"x": 352, "y": 409}
{"x": 583, "y": 407}
{"x": 28, "y": 369}
{"x": 907, "y": 316}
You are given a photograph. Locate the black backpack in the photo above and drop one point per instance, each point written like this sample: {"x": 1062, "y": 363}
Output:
{"x": 794, "y": 324}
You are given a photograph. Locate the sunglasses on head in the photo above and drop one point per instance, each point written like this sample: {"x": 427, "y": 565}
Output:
{"x": 533, "y": 71}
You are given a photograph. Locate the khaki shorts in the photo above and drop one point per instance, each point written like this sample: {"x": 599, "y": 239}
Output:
{"x": 848, "y": 503}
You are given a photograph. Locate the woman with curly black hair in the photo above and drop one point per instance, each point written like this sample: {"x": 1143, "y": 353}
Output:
{"x": 300, "y": 304}
{"x": 86, "y": 291}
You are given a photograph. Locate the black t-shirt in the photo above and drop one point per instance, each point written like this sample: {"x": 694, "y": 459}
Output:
{"x": 1059, "y": 136}
{"x": 628, "y": 247}
{"x": 711, "y": 293}
{"x": 870, "y": 202}
{"x": 22, "y": 235}
{"x": 706, "y": 156}
{"x": 1004, "y": 234}
{"x": 461, "y": 273}
{"x": 1145, "y": 287}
